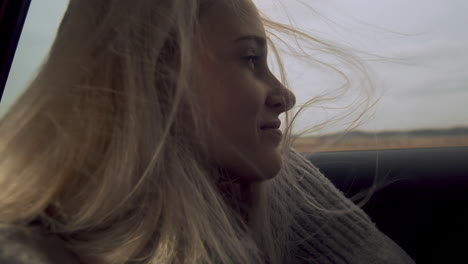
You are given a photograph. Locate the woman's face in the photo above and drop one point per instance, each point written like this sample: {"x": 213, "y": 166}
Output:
{"x": 238, "y": 94}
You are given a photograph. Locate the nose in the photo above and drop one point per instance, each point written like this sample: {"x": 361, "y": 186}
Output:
{"x": 280, "y": 98}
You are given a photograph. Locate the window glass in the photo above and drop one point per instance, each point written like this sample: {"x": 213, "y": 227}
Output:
{"x": 421, "y": 78}
{"x": 39, "y": 31}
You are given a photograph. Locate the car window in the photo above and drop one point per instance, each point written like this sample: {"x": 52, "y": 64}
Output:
{"x": 421, "y": 77}
{"x": 38, "y": 32}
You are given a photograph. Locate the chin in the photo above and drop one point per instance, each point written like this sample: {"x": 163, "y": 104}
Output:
{"x": 269, "y": 168}
{"x": 272, "y": 171}
{"x": 273, "y": 164}
{"x": 264, "y": 165}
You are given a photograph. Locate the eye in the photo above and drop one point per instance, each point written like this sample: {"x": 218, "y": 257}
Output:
{"x": 253, "y": 60}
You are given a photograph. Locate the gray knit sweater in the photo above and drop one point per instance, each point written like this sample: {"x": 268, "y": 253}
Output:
{"x": 338, "y": 238}
{"x": 344, "y": 238}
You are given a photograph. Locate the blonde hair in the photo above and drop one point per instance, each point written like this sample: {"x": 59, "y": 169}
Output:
{"x": 100, "y": 148}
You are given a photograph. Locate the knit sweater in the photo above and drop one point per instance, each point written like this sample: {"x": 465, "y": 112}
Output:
{"x": 333, "y": 238}
{"x": 342, "y": 238}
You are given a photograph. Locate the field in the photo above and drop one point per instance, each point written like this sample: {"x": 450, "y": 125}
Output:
{"x": 359, "y": 140}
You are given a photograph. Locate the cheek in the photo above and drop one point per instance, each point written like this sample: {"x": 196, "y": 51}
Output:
{"x": 233, "y": 104}
{"x": 237, "y": 144}
{"x": 238, "y": 111}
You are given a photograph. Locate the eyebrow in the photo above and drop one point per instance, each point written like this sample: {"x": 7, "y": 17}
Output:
{"x": 261, "y": 41}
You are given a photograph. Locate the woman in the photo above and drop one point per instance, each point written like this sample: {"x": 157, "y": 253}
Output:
{"x": 150, "y": 136}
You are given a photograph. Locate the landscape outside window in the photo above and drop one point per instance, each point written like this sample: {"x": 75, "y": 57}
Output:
{"x": 416, "y": 52}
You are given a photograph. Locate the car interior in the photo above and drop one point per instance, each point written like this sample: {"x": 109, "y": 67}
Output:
{"x": 418, "y": 197}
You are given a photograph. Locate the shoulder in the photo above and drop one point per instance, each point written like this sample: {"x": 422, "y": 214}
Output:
{"x": 20, "y": 245}
{"x": 335, "y": 229}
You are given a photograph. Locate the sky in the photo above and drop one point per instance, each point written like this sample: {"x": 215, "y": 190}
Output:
{"x": 423, "y": 83}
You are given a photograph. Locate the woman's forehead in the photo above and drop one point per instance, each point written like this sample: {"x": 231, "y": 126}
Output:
{"x": 229, "y": 20}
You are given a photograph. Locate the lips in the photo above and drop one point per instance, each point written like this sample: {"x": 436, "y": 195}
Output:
{"x": 271, "y": 125}
{"x": 273, "y": 133}
{"x": 271, "y": 130}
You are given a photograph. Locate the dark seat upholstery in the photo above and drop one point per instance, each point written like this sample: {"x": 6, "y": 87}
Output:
{"x": 422, "y": 199}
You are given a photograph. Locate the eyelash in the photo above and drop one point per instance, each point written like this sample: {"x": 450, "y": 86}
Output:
{"x": 254, "y": 59}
